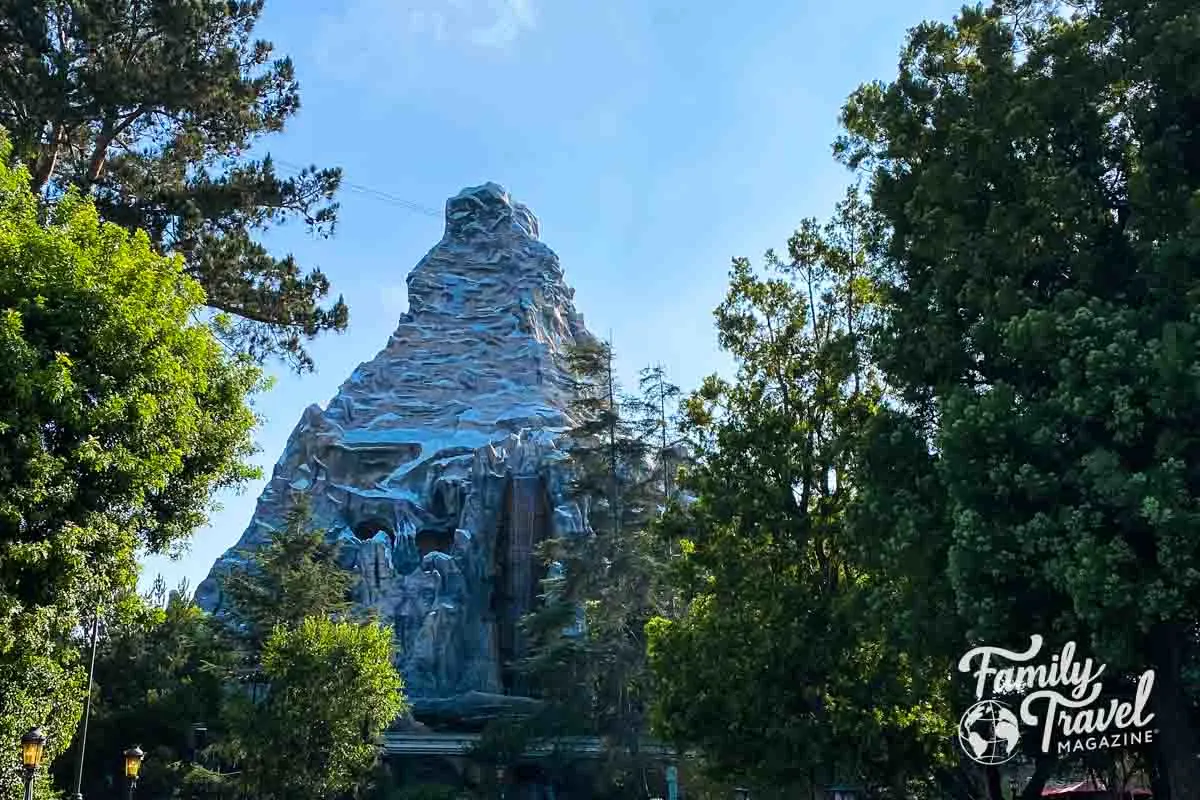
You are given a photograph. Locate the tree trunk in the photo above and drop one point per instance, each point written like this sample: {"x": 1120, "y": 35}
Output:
{"x": 995, "y": 790}
{"x": 100, "y": 152}
{"x": 96, "y": 164}
{"x": 1174, "y": 738}
{"x": 1043, "y": 769}
{"x": 44, "y": 167}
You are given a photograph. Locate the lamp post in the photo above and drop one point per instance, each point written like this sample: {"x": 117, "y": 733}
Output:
{"x": 32, "y": 745}
{"x": 133, "y": 765}
{"x": 87, "y": 709}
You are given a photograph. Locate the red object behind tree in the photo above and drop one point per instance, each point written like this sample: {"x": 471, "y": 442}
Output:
{"x": 1092, "y": 790}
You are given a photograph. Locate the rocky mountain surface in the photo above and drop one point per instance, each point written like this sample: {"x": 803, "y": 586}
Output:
{"x": 439, "y": 464}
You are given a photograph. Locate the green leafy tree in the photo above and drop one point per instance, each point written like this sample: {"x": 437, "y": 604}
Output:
{"x": 166, "y": 666}
{"x": 159, "y": 670}
{"x": 780, "y": 671}
{"x": 1038, "y": 191}
{"x": 322, "y": 684}
{"x": 119, "y": 417}
{"x": 333, "y": 689}
{"x": 896, "y": 501}
{"x": 150, "y": 107}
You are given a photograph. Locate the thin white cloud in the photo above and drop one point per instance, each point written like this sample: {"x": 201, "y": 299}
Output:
{"x": 512, "y": 18}
{"x": 393, "y": 44}
{"x": 362, "y": 29}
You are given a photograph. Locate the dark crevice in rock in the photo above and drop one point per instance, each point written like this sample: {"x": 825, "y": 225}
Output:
{"x": 435, "y": 540}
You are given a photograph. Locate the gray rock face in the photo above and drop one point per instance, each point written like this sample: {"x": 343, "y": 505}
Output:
{"x": 439, "y": 464}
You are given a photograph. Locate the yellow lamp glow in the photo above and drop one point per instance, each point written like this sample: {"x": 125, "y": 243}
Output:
{"x": 133, "y": 762}
{"x": 32, "y": 745}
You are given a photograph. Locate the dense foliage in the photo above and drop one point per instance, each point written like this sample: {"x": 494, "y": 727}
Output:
{"x": 119, "y": 416}
{"x": 320, "y": 686}
{"x": 1027, "y": 239}
{"x": 160, "y": 670}
{"x": 150, "y": 107}
{"x": 1037, "y": 178}
{"x": 292, "y": 577}
{"x": 779, "y": 670}
{"x": 586, "y": 650}
{"x": 332, "y": 689}
{"x": 291, "y": 703}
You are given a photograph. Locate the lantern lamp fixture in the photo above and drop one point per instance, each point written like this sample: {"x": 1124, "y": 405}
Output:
{"x": 133, "y": 765}
{"x": 133, "y": 762}
{"x": 33, "y": 744}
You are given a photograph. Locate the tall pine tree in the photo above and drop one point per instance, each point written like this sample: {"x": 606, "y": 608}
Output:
{"x": 589, "y": 650}
{"x": 149, "y": 107}
{"x": 323, "y": 683}
{"x": 294, "y": 577}
{"x": 652, "y": 411}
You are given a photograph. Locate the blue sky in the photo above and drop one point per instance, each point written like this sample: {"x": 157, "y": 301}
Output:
{"x": 655, "y": 140}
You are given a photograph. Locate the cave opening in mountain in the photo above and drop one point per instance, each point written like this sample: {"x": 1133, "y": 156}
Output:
{"x": 523, "y": 524}
{"x": 367, "y": 529}
{"x": 435, "y": 540}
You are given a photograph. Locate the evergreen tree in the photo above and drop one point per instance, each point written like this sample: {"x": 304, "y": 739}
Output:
{"x": 323, "y": 684}
{"x": 149, "y": 107}
{"x": 293, "y": 577}
{"x": 588, "y": 644}
{"x": 653, "y": 424}
{"x": 333, "y": 689}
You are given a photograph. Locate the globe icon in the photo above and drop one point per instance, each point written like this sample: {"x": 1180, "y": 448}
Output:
{"x": 989, "y": 733}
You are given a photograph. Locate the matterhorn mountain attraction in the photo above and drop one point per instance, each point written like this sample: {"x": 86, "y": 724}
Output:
{"x": 439, "y": 464}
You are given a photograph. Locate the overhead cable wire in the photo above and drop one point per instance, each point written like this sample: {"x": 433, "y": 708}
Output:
{"x": 373, "y": 193}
